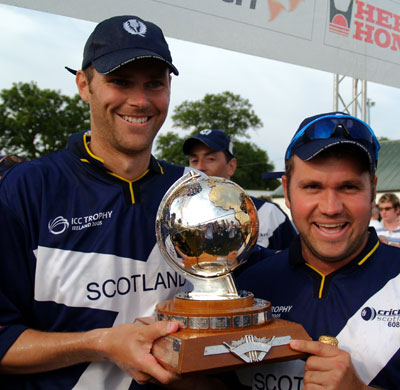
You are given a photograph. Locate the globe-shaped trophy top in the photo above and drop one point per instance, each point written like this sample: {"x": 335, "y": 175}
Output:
{"x": 206, "y": 226}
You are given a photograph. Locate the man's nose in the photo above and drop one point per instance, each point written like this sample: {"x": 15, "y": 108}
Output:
{"x": 200, "y": 165}
{"x": 330, "y": 203}
{"x": 138, "y": 97}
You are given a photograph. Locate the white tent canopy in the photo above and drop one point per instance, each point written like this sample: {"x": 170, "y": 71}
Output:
{"x": 355, "y": 38}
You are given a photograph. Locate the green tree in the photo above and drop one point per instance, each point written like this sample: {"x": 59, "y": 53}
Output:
{"x": 232, "y": 114}
{"x": 225, "y": 111}
{"x": 34, "y": 121}
{"x": 252, "y": 162}
{"x": 169, "y": 147}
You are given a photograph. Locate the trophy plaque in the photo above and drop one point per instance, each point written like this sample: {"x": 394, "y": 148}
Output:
{"x": 206, "y": 227}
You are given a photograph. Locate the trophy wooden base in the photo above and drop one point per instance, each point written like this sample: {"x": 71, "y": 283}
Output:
{"x": 208, "y": 349}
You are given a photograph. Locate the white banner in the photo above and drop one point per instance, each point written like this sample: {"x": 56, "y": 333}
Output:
{"x": 350, "y": 37}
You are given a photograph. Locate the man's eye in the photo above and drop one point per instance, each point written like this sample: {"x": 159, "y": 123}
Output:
{"x": 350, "y": 187}
{"x": 311, "y": 186}
{"x": 155, "y": 84}
{"x": 119, "y": 82}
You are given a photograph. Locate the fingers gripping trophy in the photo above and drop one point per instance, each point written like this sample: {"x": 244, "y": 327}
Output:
{"x": 206, "y": 227}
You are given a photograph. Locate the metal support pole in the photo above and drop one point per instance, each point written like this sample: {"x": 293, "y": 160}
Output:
{"x": 364, "y": 101}
{"x": 354, "y": 100}
{"x": 359, "y": 101}
{"x": 335, "y": 92}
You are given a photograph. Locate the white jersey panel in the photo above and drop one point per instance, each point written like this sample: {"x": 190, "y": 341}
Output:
{"x": 374, "y": 330}
{"x": 103, "y": 281}
{"x": 106, "y": 282}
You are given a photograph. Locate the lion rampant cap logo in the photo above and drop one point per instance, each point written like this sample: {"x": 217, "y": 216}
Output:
{"x": 135, "y": 27}
{"x": 206, "y": 132}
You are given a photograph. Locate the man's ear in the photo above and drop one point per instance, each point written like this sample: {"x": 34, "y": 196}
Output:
{"x": 374, "y": 192}
{"x": 286, "y": 191}
{"x": 83, "y": 85}
{"x": 232, "y": 164}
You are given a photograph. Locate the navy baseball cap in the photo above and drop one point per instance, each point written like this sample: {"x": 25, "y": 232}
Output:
{"x": 122, "y": 39}
{"x": 216, "y": 140}
{"x": 320, "y": 132}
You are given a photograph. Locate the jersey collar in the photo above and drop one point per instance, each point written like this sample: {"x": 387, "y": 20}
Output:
{"x": 78, "y": 144}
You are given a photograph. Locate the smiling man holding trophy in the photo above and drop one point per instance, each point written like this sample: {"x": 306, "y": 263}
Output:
{"x": 207, "y": 227}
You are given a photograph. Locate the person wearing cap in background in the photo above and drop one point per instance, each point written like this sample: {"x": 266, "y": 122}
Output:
{"x": 212, "y": 152}
{"x": 79, "y": 255}
{"x": 336, "y": 278}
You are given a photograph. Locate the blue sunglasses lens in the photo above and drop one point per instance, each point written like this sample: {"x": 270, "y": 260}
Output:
{"x": 325, "y": 127}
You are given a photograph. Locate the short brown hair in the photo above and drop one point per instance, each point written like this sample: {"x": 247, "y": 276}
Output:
{"x": 390, "y": 198}
{"x": 89, "y": 73}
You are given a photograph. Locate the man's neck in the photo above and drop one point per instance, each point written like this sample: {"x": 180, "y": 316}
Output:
{"x": 128, "y": 166}
{"x": 391, "y": 225}
{"x": 326, "y": 267}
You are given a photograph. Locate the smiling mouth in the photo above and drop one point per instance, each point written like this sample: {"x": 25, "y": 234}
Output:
{"x": 331, "y": 228}
{"x": 135, "y": 120}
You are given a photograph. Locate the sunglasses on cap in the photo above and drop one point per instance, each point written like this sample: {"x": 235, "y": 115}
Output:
{"x": 326, "y": 126}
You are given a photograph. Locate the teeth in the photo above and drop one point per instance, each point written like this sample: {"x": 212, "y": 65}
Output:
{"x": 330, "y": 226}
{"x": 135, "y": 120}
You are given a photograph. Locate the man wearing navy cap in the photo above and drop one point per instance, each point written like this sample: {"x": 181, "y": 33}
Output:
{"x": 79, "y": 255}
{"x": 212, "y": 152}
{"x": 336, "y": 279}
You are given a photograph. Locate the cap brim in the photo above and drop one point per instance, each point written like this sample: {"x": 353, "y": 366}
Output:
{"x": 112, "y": 61}
{"x": 272, "y": 175}
{"x": 71, "y": 70}
{"x": 188, "y": 144}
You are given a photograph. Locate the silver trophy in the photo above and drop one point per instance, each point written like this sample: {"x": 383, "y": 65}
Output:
{"x": 206, "y": 227}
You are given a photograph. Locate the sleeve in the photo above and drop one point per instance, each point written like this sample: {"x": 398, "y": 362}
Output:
{"x": 276, "y": 229}
{"x": 16, "y": 279}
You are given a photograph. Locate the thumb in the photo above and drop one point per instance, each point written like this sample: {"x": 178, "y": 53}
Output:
{"x": 162, "y": 328}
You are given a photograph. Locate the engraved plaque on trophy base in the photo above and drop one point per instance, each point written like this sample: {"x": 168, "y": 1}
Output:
{"x": 207, "y": 342}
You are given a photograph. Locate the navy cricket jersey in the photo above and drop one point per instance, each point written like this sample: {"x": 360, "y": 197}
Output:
{"x": 79, "y": 252}
{"x": 359, "y": 304}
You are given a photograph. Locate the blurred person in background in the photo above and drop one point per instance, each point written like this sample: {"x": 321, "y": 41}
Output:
{"x": 375, "y": 218}
{"x": 389, "y": 231}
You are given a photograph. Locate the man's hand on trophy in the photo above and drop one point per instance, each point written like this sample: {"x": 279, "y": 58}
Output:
{"x": 328, "y": 367}
{"x": 129, "y": 347}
